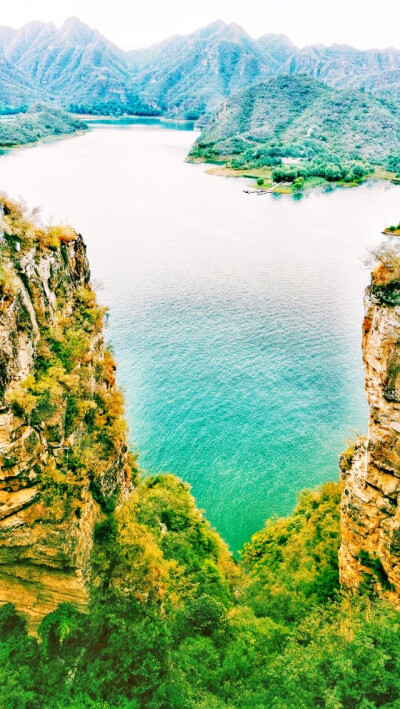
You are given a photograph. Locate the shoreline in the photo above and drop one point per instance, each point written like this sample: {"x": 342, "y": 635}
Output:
{"x": 90, "y": 118}
{"x": 47, "y": 139}
{"x": 220, "y": 169}
{"x": 4, "y": 149}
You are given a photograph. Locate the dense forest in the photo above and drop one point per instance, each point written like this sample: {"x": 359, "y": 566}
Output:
{"x": 179, "y": 624}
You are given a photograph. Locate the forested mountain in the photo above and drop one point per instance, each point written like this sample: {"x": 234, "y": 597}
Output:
{"x": 75, "y": 65}
{"x": 277, "y": 48}
{"x": 186, "y": 75}
{"x": 15, "y": 91}
{"x": 299, "y": 117}
{"x": 342, "y": 65}
{"x": 192, "y": 74}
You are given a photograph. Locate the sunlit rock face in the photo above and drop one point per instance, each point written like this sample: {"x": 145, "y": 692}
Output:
{"x": 370, "y": 510}
{"x": 63, "y": 452}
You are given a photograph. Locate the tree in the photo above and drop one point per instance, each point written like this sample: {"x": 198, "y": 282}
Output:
{"x": 298, "y": 184}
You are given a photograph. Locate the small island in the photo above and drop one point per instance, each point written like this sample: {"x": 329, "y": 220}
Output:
{"x": 392, "y": 230}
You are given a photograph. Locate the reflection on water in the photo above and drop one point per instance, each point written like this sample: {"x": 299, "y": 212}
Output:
{"x": 235, "y": 319}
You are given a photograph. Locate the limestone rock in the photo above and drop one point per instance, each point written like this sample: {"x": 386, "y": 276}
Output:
{"x": 46, "y": 539}
{"x": 370, "y": 509}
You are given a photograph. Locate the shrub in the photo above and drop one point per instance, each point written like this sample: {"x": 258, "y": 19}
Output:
{"x": 19, "y": 659}
{"x": 385, "y": 262}
{"x": 299, "y": 183}
{"x": 206, "y": 615}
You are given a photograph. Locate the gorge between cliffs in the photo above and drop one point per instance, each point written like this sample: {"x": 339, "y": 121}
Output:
{"x": 246, "y": 315}
{"x": 111, "y": 568}
{"x": 65, "y": 459}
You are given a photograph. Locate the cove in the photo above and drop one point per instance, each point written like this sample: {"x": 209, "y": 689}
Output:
{"x": 235, "y": 319}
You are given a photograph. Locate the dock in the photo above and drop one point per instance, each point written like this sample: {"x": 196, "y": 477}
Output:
{"x": 269, "y": 190}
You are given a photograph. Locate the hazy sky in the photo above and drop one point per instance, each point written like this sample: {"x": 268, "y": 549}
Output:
{"x": 132, "y": 23}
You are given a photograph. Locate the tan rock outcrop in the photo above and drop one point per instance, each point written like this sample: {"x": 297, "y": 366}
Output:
{"x": 370, "y": 509}
{"x": 45, "y": 540}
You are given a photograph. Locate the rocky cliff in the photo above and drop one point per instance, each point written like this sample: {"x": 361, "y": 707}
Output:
{"x": 64, "y": 461}
{"x": 370, "y": 510}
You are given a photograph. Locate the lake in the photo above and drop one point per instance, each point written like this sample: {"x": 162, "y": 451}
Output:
{"x": 235, "y": 319}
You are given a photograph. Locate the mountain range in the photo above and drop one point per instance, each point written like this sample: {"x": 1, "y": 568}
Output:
{"x": 187, "y": 76}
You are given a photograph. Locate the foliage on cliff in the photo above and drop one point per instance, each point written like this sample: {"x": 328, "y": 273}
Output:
{"x": 70, "y": 394}
{"x": 177, "y": 624}
{"x": 64, "y": 461}
{"x": 385, "y": 263}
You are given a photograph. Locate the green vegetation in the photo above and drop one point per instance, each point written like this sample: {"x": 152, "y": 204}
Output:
{"x": 72, "y": 386}
{"x": 175, "y": 623}
{"x": 297, "y": 131}
{"x": 393, "y": 230}
{"x": 37, "y": 124}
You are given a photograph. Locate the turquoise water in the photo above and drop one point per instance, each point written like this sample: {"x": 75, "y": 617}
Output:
{"x": 235, "y": 319}
{"x": 141, "y": 122}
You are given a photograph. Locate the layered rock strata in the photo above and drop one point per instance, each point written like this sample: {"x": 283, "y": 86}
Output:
{"x": 370, "y": 510}
{"x": 63, "y": 452}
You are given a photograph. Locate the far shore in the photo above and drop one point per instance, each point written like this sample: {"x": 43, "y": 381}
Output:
{"x": 46, "y": 139}
{"x": 90, "y": 117}
{"x": 391, "y": 232}
{"x": 220, "y": 169}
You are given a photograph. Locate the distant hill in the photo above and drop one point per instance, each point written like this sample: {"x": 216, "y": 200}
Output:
{"x": 344, "y": 66}
{"x": 37, "y": 124}
{"x": 191, "y": 74}
{"x": 186, "y": 76}
{"x": 297, "y": 116}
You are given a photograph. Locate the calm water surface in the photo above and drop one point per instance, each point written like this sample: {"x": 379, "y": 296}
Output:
{"x": 235, "y": 319}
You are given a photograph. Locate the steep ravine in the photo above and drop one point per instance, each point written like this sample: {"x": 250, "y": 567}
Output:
{"x": 133, "y": 598}
{"x": 64, "y": 456}
{"x": 65, "y": 467}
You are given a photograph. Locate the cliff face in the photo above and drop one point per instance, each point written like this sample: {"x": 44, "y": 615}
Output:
{"x": 370, "y": 510}
{"x": 63, "y": 452}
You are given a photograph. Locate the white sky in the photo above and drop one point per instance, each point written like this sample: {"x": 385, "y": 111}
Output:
{"x": 134, "y": 23}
